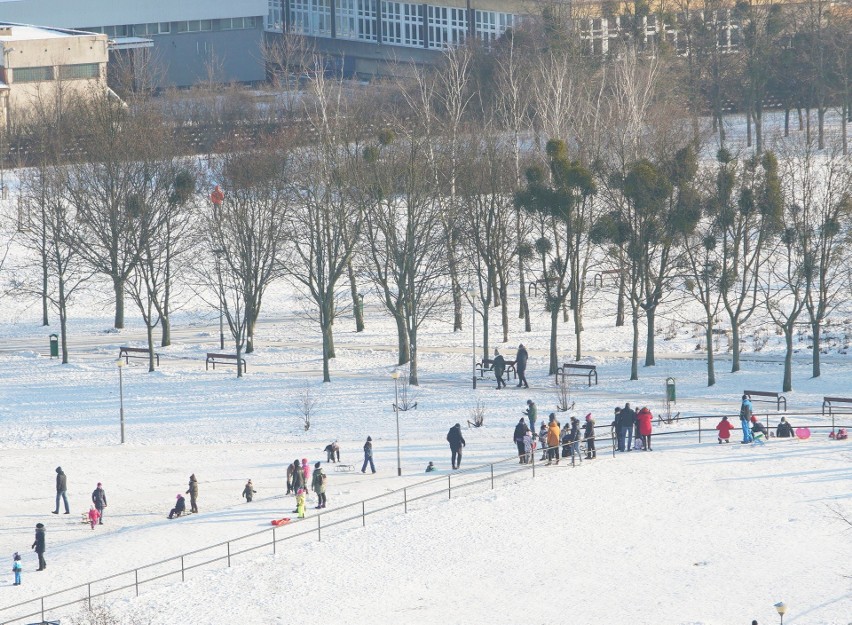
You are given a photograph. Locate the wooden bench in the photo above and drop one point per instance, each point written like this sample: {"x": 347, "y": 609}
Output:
{"x": 487, "y": 365}
{"x": 136, "y": 352}
{"x": 585, "y": 371}
{"x": 830, "y": 403}
{"x": 223, "y": 359}
{"x": 776, "y": 398}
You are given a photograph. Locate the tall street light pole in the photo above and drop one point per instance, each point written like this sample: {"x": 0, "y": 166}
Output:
{"x": 395, "y": 376}
{"x": 120, "y": 364}
{"x": 218, "y": 252}
{"x": 472, "y": 294}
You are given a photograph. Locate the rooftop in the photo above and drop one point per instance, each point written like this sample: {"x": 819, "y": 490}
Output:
{"x": 26, "y": 32}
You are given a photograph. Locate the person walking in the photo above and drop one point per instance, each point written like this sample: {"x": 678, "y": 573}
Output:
{"x": 724, "y": 426}
{"x": 521, "y": 366}
{"x": 298, "y": 478}
{"x": 499, "y": 366}
{"x": 193, "y": 494}
{"x": 532, "y": 414}
{"x": 319, "y": 485}
{"x": 745, "y": 416}
{"x": 628, "y": 421}
{"x": 249, "y": 491}
{"x": 61, "y": 490}
{"x": 40, "y": 545}
{"x": 645, "y": 419}
{"x": 16, "y": 568}
{"x": 553, "y": 433}
{"x": 368, "y": 456}
{"x": 100, "y": 501}
{"x": 589, "y": 436}
{"x": 518, "y": 437}
{"x": 456, "y": 441}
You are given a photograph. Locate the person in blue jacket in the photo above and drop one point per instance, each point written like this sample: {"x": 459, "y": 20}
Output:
{"x": 16, "y": 568}
{"x": 745, "y": 418}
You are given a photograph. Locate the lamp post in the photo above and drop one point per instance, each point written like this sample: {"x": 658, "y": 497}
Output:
{"x": 395, "y": 376}
{"x": 218, "y": 253}
{"x": 120, "y": 364}
{"x": 471, "y": 294}
{"x": 782, "y": 610}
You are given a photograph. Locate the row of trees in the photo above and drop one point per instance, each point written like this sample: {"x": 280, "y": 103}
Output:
{"x": 522, "y": 171}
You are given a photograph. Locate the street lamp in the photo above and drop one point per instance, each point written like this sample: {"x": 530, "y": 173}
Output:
{"x": 471, "y": 294}
{"x": 782, "y": 610}
{"x": 218, "y": 253}
{"x": 395, "y": 376}
{"x": 120, "y": 364}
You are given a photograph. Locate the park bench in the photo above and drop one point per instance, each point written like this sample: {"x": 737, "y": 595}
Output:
{"x": 223, "y": 359}
{"x": 486, "y": 365}
{"x": 584, "y": 371}
{"x": 136, "y": 352}
{"x": 833, "y": 408}
{"x": 776, "y": 398}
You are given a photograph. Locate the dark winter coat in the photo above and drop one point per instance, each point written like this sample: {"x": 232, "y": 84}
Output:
{"x": 757, "y": 426}
{"x": 318, "y": 482}
{"x": 499, "y": 365}
{"x": 61, "y": 480}
{"x": 784, "y": 430}
{"x": 193, "y": 487}
{"x": 180, "y": 506}
{"x": 99, "y": 498}
{"x": 589, "y": 429}
{"x": 39, "y": 544}
{"x": 249, "y": 491}
{"x": 455, "y": 438}
{"x": 520, "y": 430}
{"x": 368, "y": 449}
{"x": 298, "y": 478}
{"x": 745, "y": 410}
{"x": 575, "y": 431}
{"x": 521, "y": 359}
{"x": 627, "y": 417}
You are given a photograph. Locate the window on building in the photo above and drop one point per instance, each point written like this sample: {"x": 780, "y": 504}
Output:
{"x": 121, "y": 30}
{"x": 145, "y": 30}
{"x": 402, "y": 23}
{"x": 164, "y": 28}
{"x": 311, "y": 17}
{"x": 491, "y": 24}
{"x": 194, "y": 26}
{"x": 447, "y": 26}
{"x": 275, "y": 16}
{"x": 33, "y": 74}
{"x": 80, "y": 71}
{"x": 237, "y": 23}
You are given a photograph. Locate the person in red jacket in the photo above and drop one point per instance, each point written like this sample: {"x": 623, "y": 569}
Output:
{"x": 724, "y": 428}
{"x": 644, "y": 418}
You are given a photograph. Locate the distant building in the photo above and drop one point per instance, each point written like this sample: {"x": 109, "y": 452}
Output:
{"x": 186, "y": 41}
{"x": 36, "y": 60}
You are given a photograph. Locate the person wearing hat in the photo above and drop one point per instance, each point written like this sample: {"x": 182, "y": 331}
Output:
{"x": 193, "y": 493}
{"x": 518, "y": 436}
{"x": 456, "y": 441}
{"x": 249, "y": 491}
{"x": 745, "y": 415}
{"x": 784, "y": 429}
{"x": 99, "y": 499}
{"x": 589, "y": 435}
{"x": 318, "y": 484}
{"x": 430, "y": 467}
{"x": 179, "y": 509}
{"x": 532, "y": 413}
{"x": 758, "y": 432}
{"x": 724, "y": 426}
{"x": 61, "y": 490}
{"x": 295, "y": 476}
{"x": 521, "y": 366}
{"x": 368, "y": 456}
{"x": 16, "y": 568}
{"x": 574, "y": 437}
{"x": 40, "y": 546}
{"x": 499, "y": 366}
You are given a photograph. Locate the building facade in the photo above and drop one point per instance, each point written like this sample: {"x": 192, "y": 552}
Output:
{"x": 36, "y": 61}
{"x": 193, "y": 40}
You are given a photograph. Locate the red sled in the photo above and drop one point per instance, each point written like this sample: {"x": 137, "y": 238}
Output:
{"x": 278, "y": 522}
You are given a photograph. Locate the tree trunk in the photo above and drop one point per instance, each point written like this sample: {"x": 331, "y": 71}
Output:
{"x": 485, "y": 317}
{"x": 250, "y": 333}
{"x": 821, "y": 127}
{"x": 150, "y": 332}
{"x": 63, "y": 320}
{"x": 356, "y": 301}
{"x": 45, "y": 321}
{"x": 711, "y": 370}
{"x": 649, "y": 347}
{"x": 554, "y": 325}
{"x": 412, "y": 365}
{"x": 801, "y": 119}
{"x": 816, "y": 330}
{"x": 239, "y": 356}
{"x": 788, "y": 359}
{"x": 578, "y": 331}
{"x": 402, "y": 340}
{"x": 504, "y": 310}
{"x": 524, "y": 308}
{"x": 786, "y": 121}
{"x": 735, "y": 345}
{"x": 619, "y": 311}
{"x": 118, "y": 287}
{"x": 166, "y": 337}
{"x": 748, "y": 128}
{"x": 758, "y": 129}
{"x": 456, "y": 288}
{"x": 634, "y": 356}
{"x": 843, "y": 122}
{"x": 327, "y": 347}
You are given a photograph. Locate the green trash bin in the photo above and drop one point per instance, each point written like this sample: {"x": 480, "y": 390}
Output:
{"x": 54, "y": 346}
{"x": 671, "y": 395}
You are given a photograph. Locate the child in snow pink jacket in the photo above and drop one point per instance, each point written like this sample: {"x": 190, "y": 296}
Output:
{"x": 306, "y": 471}
{"x": 94, "y": 515}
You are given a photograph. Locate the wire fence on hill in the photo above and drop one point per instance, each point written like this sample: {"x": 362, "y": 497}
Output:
{"x": 276, "y": 540}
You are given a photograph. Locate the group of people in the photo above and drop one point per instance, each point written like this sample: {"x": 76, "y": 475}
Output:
{"x": 551, "y": 435}
{"x": 753, "y": 430}
{"x": 633, "y": 429}
{"x": 180, "y": 503}
{"x": 498, "y": 366}
{"x": 300, "y": 481}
